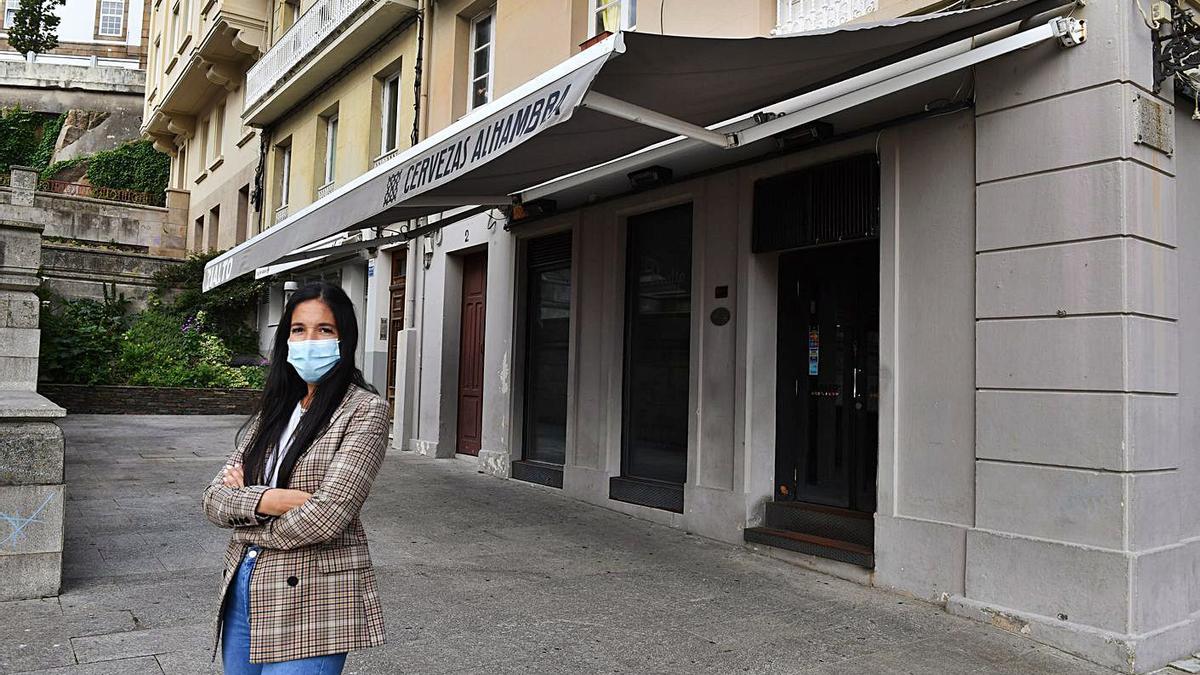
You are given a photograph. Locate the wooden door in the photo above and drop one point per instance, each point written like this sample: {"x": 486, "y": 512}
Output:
{"x": 470, "y": 356}
{"x": 396, "y": 289}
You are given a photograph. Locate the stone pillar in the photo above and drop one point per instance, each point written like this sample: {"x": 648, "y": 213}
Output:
{"x": 173, "y": 241}
{"x": 31, "y": 445}
{"x": 1077, "y": 539}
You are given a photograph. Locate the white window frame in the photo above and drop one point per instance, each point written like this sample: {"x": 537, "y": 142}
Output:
{"x": 331, "y": 129}
{"x": 10, "y": 10}
{"x": 285, "y": 175}
{"x": 475, "y": 47}
{"x": 628, "y": 14}
{"x": 119, "y": 16}
{"x": 390, "y": 115}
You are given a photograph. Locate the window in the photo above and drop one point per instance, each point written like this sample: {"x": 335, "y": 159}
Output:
{"x": 483, "y": 34}
{"x": 180, "y": 16}
{"x": 198, "y": 235}
{"x": 214, "y": 227}
{"x": 218, "y": 135}
{"x": 10, "y": 12}
{"x": 202, "y": 147}
{"x": 390, "y": 105}
{"x": 331, "y": 127}
{"x": 112, "y": 18}
{"x": 283, "y": 155}
{"x": 611, "y": 16}
{"x": 181, "y": 163}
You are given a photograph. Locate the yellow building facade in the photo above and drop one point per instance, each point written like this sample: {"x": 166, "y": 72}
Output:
{"x": 199, "y": 53}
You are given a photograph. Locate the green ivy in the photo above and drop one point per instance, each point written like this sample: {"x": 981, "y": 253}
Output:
{"x": 49, "y": 172}
{"x": 18, "y": 136}
{"x": 45, "y": 149}
{"x": 132, "y": 166}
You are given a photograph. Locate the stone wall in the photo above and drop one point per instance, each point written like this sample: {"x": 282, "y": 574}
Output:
{"x": 31, "y": 445}
{"x": 153, "y": 230}
{"x": 124, "y": 400}
{"x": 77, "y": 272}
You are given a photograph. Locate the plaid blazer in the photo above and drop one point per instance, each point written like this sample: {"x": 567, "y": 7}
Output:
{"x": 313, "y": 591}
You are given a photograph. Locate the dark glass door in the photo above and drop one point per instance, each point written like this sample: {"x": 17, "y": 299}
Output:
{"x": 827, "y": 416}
{"x": 658, "y": 295}
{"x": 547, "y": 336}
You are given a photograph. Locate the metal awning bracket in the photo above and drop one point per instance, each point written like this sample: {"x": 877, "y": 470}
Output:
{"x": 636, "y": 113}
{"x": 1071, "y": 32}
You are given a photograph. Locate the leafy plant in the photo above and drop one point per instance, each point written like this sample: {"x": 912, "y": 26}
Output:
{"x": 230, "y": 307}
{"x": 49, "y": 172}
{"x": 45, "y": 149}
{"x": 35, "y": 26}
{"x": 80, "y": 337}
{"x": 18, "y": 136}
{"x": 133, "y": 166}
{"x": 158, "y": 351}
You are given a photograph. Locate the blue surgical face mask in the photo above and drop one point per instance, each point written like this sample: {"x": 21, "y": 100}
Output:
{"x": 312, "y": 359}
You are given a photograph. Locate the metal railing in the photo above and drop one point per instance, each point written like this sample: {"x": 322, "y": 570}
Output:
{"x": 795, "y": 16}
{"x": 310, "y": 30}
{"x": 63, "y": 187}
{"x": 384, "y": 157}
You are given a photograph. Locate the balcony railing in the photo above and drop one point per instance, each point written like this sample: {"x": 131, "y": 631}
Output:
{"x": 797, "y": 16}
{"x": 384, "y": 157}
{"x": 313, "y": 27}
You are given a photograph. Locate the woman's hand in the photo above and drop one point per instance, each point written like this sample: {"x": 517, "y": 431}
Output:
{"x": 278, "y": 501}
{"x": 233, "y": 477}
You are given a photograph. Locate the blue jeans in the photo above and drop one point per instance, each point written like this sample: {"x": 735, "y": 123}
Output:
{"x": 235, "y": 636}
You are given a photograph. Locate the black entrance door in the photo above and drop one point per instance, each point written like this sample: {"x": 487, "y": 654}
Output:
{"x": 828, "y": 390}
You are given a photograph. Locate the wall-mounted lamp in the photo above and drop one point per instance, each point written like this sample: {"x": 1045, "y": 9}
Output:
{"x": 427, "y": 247}
{"x": 289, "y": 287}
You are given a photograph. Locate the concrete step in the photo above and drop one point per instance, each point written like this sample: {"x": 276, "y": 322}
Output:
{"x": 832, "y": 549}
{"x": 829, "y": 522}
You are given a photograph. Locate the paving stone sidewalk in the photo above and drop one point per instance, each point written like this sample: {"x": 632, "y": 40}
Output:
{"x": 478, "y": 575}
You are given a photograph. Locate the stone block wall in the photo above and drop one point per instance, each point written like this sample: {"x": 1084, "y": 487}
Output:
{"x": 126, "y": 400}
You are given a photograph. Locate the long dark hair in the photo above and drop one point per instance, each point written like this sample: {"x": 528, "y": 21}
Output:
{"x": 284, "y": 388}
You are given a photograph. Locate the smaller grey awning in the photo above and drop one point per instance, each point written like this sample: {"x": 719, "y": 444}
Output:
{"x": 630, "y": 91}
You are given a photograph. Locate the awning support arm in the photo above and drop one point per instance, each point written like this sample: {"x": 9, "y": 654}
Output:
{"x": 1069, "y": 31}
{"x": 828, "y": 100}
{"x": 636, "y": 113}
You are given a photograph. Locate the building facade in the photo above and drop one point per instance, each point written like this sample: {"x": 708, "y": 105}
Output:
{"x": 106, "y": 33}
{"x": 198, "y": 57}
{"x": 967, "y": 384}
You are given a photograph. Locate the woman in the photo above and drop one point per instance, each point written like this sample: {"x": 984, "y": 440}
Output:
{"x": 299, "y": 591}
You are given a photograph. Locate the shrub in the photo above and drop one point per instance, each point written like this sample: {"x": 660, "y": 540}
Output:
{"x": 230, "y": 307}
{"x": 79, "y": 339}
{"x": 159, "y": 351}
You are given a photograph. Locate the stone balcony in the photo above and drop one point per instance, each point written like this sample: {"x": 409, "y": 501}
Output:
{"x": 327, "y": 37}
{"x": 233, "y": 34}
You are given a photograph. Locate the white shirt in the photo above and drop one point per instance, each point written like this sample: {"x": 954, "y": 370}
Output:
{"x": 281, "y": 448}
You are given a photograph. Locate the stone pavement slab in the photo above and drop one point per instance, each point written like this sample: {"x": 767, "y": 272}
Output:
{"x": 478, "y": 575}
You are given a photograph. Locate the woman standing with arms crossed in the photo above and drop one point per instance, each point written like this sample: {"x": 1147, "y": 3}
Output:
{"x": 298, "y": 590}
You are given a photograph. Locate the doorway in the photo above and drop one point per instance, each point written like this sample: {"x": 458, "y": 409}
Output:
{"x": 657, "y": 377}
{"x": 396, "y": 299}
{"x": 470, "y": 354}
{"x": 827, "y": 403}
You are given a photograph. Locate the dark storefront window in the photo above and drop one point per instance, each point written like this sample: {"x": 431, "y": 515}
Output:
{"x": 657, "y": 345}
{"x": 547, "y": 341}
